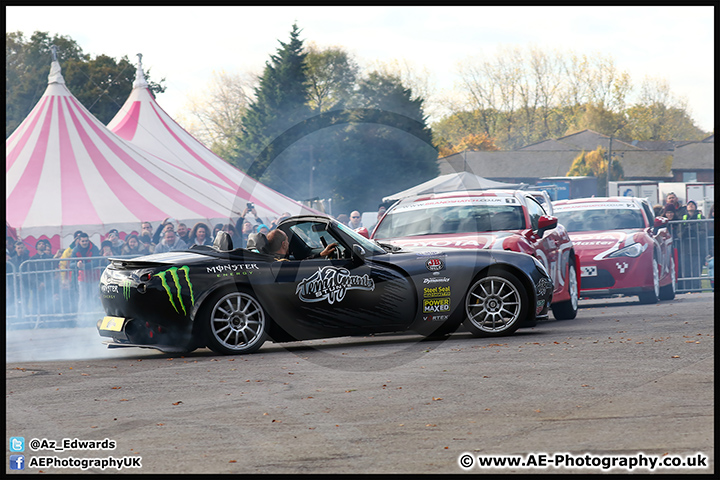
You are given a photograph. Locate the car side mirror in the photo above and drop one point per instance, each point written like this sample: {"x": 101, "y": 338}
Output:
{"x": 358, "y": 253}
{"x": 660, "y": 222}
{"x": 545, "y": 223}
{"x": 364, "y": 232}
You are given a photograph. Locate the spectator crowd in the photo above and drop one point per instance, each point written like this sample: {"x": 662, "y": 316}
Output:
{"x": 690, "y": 239}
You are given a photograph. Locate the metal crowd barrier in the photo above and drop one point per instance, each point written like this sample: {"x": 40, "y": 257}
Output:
{"x": 694, "y": 242}
{"x": 53, "y": 293}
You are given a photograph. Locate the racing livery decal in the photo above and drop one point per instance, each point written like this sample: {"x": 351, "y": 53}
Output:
{"x": 175, "y": 281}
{"x": 109, "y": 291}
{"x": 588, "y": 271}
{"x": 436, "y": 292}
{"x": 436, "y": 279}
{"x": 436, "y": 305}
{"x": 436, "y": 299}
{"x": 543, "y": 286}
{"x": 233, "y": 269}
{"x": 434, "y": 264}
{"x": 331, "y": 284}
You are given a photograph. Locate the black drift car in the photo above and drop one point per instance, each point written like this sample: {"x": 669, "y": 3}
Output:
{"x": 233, "y": 300}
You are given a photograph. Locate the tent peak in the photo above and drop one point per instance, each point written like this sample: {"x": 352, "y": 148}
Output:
{"x": 140, "y": 81}
{"x": 55, "y": 70}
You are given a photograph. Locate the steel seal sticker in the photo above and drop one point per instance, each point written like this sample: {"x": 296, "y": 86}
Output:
{"x": 331, "y": 284}
{"x": 172, "y": 273}
{"x": 433, "y": 292}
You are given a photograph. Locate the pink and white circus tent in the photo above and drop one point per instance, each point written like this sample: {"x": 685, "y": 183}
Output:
{"x": 142, "y": 122}
{"x": 66, "y": 171}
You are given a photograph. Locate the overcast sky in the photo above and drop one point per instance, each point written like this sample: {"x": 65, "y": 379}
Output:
{"x": 186, "y": 44}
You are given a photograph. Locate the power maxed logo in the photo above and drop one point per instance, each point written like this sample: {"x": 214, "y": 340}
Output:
{"x": 331, "y": 284}
{"x": 436, "y": 299}
{"x": 170, "y": 279}
{"x": 436, "y": 305}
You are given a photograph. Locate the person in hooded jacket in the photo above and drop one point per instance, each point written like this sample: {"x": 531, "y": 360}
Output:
{"x": 89, "y": 267}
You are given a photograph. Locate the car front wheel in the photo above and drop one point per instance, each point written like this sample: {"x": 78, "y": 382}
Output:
{"x": 495, "y": 305}
{"x": 568, "y": 309}
{"x": 653, "y": 295}
{"x": 668, "y": 291}
{"x": 234, "y": 323}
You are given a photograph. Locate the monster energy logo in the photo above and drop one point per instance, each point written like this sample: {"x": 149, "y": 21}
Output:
{"x": 126, "y": 284}
{"x": 171, "y": 275}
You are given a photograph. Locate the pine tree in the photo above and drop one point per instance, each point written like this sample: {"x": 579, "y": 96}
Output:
{"x": 280, "y": 104}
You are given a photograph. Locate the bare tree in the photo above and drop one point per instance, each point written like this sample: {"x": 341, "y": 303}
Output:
{"x": 215, "y": 114}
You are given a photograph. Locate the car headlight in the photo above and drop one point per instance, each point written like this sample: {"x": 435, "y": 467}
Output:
{"x": 630, "y": 251}
{"x": 540, "y": 266}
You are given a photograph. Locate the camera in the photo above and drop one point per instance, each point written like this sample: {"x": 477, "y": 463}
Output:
{"x": 250, "y": 205}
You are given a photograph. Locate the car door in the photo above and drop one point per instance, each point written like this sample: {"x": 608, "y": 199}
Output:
{"x": 548, "y": 245}
{"x": 662, "y": 239}
{"x": 336, "y": 296}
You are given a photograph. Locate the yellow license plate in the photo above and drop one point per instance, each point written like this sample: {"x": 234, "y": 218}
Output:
{"x": 113, "y": 324}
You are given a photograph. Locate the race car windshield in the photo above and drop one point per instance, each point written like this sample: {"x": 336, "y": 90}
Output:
{"x": 368, "y": 245}
{"x": 415, "y": 221}
{"x": 600, "y": 219}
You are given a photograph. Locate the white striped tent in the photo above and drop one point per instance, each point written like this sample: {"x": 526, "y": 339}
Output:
{"x": 142, "y": 122}
{"x": 66, "y": 171}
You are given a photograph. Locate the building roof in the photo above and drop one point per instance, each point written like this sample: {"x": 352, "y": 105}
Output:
{"x": 551, "y": 145}
{"x": 514, "y": 164}
{"x": 589, "y": 140}
{"x": 526, "y": 164}
{"x": 695, "y": 156}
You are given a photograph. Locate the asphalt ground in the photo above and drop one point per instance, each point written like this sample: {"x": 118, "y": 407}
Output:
{"x": 623, "y": 382}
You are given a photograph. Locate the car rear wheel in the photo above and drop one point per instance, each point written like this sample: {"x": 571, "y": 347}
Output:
{"x": 495, "y": 305}
{"x": 653, "y": 295}
{"x": 568, "y": 309}
{"x": 234, "y": 323}
{"x": 668, "y": 291}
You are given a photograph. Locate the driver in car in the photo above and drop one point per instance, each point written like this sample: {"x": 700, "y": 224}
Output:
{"x": 279, "y": 246}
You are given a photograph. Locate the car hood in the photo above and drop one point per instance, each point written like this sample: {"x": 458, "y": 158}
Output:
{"x": 605, "y": 242}
{"x": 489, "y": 240}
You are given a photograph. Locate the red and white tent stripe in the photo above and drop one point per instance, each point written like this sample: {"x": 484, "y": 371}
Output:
{"x": 144, "y": 123}
{"x": 66, "y": 171}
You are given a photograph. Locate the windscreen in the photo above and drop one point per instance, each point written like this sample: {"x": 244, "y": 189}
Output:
{"x": 590, "y": 218}
{"x": 448, "y": 216}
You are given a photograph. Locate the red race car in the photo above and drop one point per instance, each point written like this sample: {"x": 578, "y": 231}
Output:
{"x": 489, "y": 219}
{"x": 623, "y": 247}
